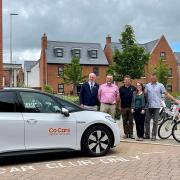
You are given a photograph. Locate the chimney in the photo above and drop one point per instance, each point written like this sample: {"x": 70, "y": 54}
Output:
{"x": 44, "y": 41}
{"x": 108, "y": 39}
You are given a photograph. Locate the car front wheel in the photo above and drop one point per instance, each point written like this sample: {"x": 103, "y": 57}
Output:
{"x": 97, "y": 141}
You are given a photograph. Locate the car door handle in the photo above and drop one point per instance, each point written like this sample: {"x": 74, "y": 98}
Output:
{"x": 32, "y": 121}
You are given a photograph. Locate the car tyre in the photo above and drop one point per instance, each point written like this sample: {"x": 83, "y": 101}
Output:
{"x": 97, "y": 141}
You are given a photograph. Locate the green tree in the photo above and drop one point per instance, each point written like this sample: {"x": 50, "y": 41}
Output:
{"x": 162, "y": 72}
{"x": 73, "y": 74}
{"x": 131, "y": 59}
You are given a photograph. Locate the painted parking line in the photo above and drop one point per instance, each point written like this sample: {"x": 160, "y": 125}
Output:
{"x": 148, "y": 153}
{"x": 75, "y": 163}
{"x": 152, "y": 143}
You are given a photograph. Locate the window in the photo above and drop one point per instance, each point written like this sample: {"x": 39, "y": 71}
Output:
{"x": 58, "y": 52}
{"x": 68, "y": 105}
{"x": 60, "y": 71}
{"x": 93, "y": 54}
{"x": 39, "y": 103}
{"x": 60, "y": 88}
{"x": 76, "y": 53}
{"x": 7, "y": 102}
{"x": 96, "y": 70}
{"x": 169, "y": 88}
{"x": 170, "y": 72}
{"x": 163, "y": 55}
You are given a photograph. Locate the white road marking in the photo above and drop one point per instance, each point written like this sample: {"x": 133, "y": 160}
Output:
{"x": 77, "y": 163}
{"x": 149, "y": 142}
{"x": 160, "y": 152}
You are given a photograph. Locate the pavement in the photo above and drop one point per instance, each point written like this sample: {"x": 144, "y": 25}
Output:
{"x": 130, "y": 160}
{"x": 169, "y": 141}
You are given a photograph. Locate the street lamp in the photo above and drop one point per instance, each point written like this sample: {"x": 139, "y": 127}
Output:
{"x": 11, "y": 77}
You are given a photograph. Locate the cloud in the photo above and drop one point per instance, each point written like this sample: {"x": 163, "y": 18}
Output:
{"x": 87, "y": 21}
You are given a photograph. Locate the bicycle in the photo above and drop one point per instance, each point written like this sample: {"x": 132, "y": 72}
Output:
{"x": 164, "y": 112}
{"x": 165, "y": 128}
{"x": 176, "y": 128}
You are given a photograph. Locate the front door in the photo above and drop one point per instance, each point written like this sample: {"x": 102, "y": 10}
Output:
{"x": 45, "y": 126}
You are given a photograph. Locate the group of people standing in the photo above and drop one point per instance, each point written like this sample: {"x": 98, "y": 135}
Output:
{"x": 138, "y": 103}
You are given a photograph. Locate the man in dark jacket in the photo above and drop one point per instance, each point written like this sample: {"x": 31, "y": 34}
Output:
{"x": 126, "y": 94}
{"x": 88, "y": 94}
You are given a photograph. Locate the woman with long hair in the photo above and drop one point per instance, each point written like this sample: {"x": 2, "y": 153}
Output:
{"x": 138, "y": 110}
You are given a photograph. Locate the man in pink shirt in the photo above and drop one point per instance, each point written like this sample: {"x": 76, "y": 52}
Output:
{"x": 108, "y": 95}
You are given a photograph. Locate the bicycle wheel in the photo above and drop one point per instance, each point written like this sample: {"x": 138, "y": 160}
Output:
{"x": 176, "y": 131}
{"x": 165, "y": 129}
{"x": 162, "y": 117}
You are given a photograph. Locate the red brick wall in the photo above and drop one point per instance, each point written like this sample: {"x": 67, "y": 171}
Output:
{"x": 54, "y": 79}
{"x": 1, "y": 47}
{"x": 170, "y": 61}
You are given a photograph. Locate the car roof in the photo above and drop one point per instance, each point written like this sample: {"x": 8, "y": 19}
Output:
{"x": 23, "y": 89}
{"x": 19, "y": 89}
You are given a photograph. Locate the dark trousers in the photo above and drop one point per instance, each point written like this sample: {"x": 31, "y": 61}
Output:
{"x": 139, "y": 120}
{"x": 151, "y": 113}
{"x": 127, "y": 121}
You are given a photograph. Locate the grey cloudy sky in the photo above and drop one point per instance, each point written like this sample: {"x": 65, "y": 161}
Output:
{"x": 86, "y": 21}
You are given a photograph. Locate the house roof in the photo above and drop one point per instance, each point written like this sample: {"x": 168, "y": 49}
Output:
{"x": 67, "y": 56}
{"x": 28, "y": 65}
{"x": 177, "y": 54}
{"x": 149, "y": 46}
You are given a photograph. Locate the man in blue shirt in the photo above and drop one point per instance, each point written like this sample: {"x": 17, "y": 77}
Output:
{"x": 154, "y": 91}
{"x": 89, "y": 93}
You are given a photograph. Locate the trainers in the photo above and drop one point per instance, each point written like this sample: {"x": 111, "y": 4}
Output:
{"x": 131, "y": 136}
{"x": 153, "y": 138}
{"x": 137, "y": 139}
{"x": 146, "y": 137}
{"x": 141, "y": 139}
{"x": 125, "y": 136}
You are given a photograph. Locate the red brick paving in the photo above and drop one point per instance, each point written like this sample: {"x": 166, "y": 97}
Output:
{"x": 133, "y": 161}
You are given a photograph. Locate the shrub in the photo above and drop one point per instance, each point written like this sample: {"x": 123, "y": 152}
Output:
{"x": 48, "y": 89}
{"x": 74, "y": 99}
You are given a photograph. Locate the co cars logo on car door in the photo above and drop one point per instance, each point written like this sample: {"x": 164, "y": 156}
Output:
{"x": 59, "y": 131}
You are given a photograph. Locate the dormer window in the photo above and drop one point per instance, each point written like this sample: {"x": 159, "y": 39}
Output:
{"x": 76, "y": 53}
{"x": 93, "y": 53}
{"x": 59, "y": 52}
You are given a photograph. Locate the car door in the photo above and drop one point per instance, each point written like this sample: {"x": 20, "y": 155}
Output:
{"x": 11, "y": 123}
{"x": 45, "y": 126}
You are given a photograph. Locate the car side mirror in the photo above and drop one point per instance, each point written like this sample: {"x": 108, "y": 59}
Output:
{"x": 65, "y": 112}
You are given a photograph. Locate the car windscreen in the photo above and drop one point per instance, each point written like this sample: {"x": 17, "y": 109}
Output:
{"x": 69, "y": 105}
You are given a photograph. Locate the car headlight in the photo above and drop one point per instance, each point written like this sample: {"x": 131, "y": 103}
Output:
{"x": 110, "y": 118}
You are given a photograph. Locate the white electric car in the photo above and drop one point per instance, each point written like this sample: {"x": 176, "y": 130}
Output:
{"x": 35, "y": 122}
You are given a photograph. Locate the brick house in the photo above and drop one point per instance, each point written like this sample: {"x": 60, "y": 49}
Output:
{"x": 1, "y": 48}
{"x": 55, "y": 54}
{"x": 177, "y": 54}
{"x": 158, "y": 49}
